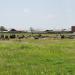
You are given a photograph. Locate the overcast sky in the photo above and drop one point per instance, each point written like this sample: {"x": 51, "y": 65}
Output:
{"x": 39, "y": 14}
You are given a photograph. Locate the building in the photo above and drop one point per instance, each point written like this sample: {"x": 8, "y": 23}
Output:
{"x": 73, "y": 28}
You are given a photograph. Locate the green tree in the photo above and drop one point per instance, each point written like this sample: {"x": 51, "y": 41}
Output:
{"x": 2, "y": 28}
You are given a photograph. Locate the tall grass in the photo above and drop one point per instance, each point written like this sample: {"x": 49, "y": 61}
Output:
{"x": 37, "y": 57}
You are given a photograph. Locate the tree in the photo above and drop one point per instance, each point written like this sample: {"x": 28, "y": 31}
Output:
{"x": 2, "y": 28}
{"x": 31, "y": 30}
{"x": 48, "y": 31}
{"x": 13, "y": 30}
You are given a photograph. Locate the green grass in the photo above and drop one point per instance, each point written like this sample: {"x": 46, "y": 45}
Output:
{"x": 37, "y": 57}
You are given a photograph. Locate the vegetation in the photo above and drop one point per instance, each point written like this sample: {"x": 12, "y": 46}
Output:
{"x": 37, "y": 57}
{"x": 2, "y": 28}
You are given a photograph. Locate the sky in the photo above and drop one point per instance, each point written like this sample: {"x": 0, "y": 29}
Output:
{"x": 39, "y": 14}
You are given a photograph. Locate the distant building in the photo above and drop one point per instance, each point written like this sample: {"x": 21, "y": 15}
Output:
{"x": 73, "y": 28}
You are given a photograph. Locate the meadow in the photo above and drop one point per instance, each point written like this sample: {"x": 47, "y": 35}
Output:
{"x": 37, "y": 57}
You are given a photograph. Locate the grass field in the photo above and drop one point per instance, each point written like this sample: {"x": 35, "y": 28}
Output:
{"x": 37, "y": 57}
